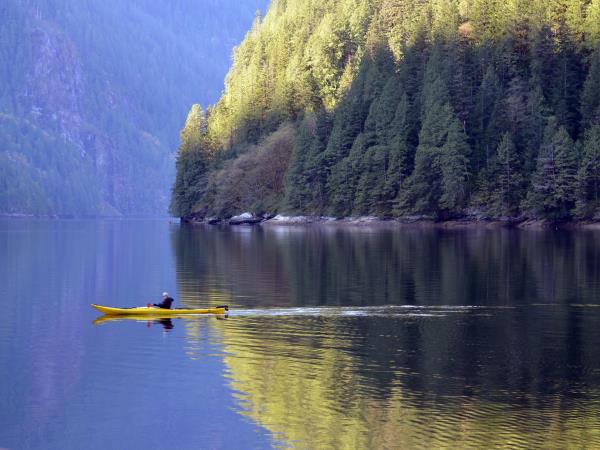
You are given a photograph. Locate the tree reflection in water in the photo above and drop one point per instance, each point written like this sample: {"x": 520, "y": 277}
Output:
{"x": 493, "y": 340}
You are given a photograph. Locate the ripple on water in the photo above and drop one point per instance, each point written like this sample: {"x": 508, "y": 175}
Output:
{"x": 405, "y": 376}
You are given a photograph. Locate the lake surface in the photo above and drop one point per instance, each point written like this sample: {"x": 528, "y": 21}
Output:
{"x": 337, "y": 338}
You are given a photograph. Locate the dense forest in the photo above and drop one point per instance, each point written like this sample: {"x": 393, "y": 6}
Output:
{"x": 430, "y": 108}
{"x": 93, "y": 93}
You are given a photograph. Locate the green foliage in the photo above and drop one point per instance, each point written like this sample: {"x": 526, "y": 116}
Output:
{"x": 588, "y": 177}
{"x": 439, "y": 183}
{"x": 43, "y": 175}
{"x": 590, "y": 97}
{"x": 455, "y": 169}
{"x": 485, "y": 119}
{"x": 554, "y": 183}
{"x": 506, "y": 180}
{"x": 192, "y": 165}
{"x": 437, "y": 108}
{"x": 305, "y": 182}
{"x": 253, "y": 182}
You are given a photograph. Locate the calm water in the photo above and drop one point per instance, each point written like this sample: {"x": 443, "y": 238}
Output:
{"x": 337, "y": 338}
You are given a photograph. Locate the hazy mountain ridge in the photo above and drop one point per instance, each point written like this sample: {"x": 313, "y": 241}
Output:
{"x": 92, "y": 95}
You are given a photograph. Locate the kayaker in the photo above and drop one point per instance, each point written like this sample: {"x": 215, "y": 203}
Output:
{"x": 166, "y": 302}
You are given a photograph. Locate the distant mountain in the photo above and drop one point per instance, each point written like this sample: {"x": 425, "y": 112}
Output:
{"x": 394, "y": 108}
{"x": 93, "y": 92}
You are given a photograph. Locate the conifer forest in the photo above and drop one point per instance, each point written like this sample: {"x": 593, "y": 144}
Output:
{"x": 403, "y": 108}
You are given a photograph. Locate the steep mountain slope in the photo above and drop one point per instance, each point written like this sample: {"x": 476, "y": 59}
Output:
{"x": 92, "y": 94}
{"x": 433, "y": 107}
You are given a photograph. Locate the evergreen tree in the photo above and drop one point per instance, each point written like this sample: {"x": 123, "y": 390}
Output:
{"x": 486, "y": 119}
{"x": 297, "y": 194}
{"x": 342, "y": 181}
{"x": 588, "y": 177}
{"x": 193, "y": 133}
{"x": 348, "y": 123}
{"x": 553, "y": 188}
{"x": 400, "y": 106}
{"x": 590, "y": 96}
{"x": 455, "y": 169}
{"x": 506, "y": 180}
{"x": 370, "y": 189}
{"x": 422, "y": 190}
{"x": 438, "y": 182}
{"x": 401, "y": 154}
{"x": 192, "y": 165}
{"x": 379, "y": 125}
{"x": 592, "y": 24}
{"x": 566, "y": 171}
{"x": 543, "y": 60}
{"x": 566, "y": 86}
{"x": 308, "y": 176}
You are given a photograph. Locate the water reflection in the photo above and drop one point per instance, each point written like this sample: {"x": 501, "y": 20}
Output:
{"x": 493, "y": 340}
{"x": 331, "y": 266}
{"x": 165, "y": 322}
{"x": 432, "y": 381}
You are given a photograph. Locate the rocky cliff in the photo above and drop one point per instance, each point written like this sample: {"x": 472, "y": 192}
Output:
{"x": 92, "y": 94}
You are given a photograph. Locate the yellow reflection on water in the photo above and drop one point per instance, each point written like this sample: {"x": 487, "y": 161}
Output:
{"x": 305, "y": 387}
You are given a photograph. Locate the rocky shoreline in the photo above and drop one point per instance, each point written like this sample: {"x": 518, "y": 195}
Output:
{"x": 249, "y": 219}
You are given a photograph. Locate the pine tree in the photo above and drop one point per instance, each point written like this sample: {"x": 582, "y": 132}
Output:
{"x": 367, "y": 182}
{"x": 506, "y": 180}
{"x": 192, "y": 164}
{"x": 297, "y": 194}
{"x": 566, "y": 171}
{"x": 541, "y": 201}
{"x": 401, "y": 154}
{"x": 347, "y": 123}
{"x": 543, "y": 59}
{"x": 344, "y": 175}
{"x": 567, "y": 83}
{"x": 486, "y": 119}
{"x": 554, "y": 183}
{"x": 194, "y": 130}
{"x": 455, "y": 169}
{"x": 438, "y": 182}
{"x": 588, "y": 176}
{"x": 315, "y": 170}
{"x": 422, "y": 190}
{"x": 590, "y": 96}
{"x": 379, "y": 125}
{"x": 592, "y": 24}
{"x": 370, "y": 186}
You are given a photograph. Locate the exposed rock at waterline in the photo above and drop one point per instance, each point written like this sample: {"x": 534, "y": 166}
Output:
{"x": 245, "y": 219}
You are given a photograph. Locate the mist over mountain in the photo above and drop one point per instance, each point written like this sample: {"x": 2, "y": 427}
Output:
{"x": 93, "y": 94}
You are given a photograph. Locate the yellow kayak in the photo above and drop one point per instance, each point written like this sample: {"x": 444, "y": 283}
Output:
{"x": 153, "y": 311}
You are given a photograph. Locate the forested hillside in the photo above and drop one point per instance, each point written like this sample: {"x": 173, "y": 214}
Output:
{"x": 438, "y": 108}
{"x": 93, "y": 93}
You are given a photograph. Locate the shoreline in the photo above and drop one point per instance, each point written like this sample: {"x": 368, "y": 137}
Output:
{"x": 247, "y": 219}
{"x": 424, "y": 222}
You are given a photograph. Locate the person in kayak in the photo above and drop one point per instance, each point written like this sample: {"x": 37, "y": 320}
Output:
{"x": 166, "y": 302}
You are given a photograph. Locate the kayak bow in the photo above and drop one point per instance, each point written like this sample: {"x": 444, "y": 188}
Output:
{"x": 150, "y": 311}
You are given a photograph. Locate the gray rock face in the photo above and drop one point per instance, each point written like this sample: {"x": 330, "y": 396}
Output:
{"x": 245, "y": 219}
